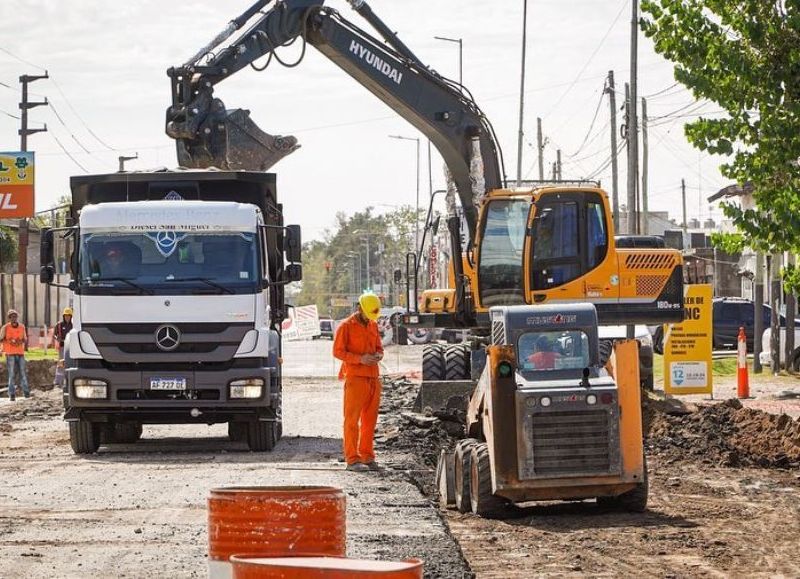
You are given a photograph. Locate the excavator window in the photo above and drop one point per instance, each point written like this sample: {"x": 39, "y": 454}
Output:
{"x": 501, "y": 252}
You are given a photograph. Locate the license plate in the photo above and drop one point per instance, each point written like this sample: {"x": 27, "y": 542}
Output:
{"x": 167, "y": 383}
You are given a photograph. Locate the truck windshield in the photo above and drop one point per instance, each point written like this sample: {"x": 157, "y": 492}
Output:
{"x": 502, "y": 244}
{"x": 553, "y": 350}
{"x": 169, "y": 262}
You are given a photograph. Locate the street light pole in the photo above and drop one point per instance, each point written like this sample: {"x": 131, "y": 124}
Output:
{"x": 416, "y": 215}
{"x": 521, "y": 134}
{"x": 460, "y": 43}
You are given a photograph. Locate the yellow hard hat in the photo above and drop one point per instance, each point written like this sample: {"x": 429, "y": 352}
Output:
{"x": 67, "y": 312}
{"x": 370, "y": 305}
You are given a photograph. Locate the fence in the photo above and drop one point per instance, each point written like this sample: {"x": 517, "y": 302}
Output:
{"x": 39, "y": 305}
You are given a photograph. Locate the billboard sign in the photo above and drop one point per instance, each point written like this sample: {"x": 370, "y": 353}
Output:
{"x": 16, "y": 184}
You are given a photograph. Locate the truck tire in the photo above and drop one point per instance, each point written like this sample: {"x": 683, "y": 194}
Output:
{"x": 237, "y": 431}
{"x": 484, "y": 503}
{"x": 126, "y": 432}
{"x": 433, "y": 362}
{"x": 463, "y": 470}
{"x": 456, "y": 361}
{"x": 633, "y": 501}
{"x": 84, "y": 437}
{"x": 261, "y": 436}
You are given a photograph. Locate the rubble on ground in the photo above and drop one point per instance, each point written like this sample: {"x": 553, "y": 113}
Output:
{"x": 725, "y": 434}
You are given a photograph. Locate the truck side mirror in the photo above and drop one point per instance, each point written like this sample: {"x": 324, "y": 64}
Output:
{"x": 46, "y": 259}
{"x": 292, "y": 244}
{"x": 293, "y": 272}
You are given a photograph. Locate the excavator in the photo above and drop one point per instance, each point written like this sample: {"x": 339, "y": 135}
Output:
{"x": 543, "y": 244}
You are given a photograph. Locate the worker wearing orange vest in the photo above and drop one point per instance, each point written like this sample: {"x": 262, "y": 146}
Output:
{"x": 13, "y": 338}
{"x": 358, "y": 345}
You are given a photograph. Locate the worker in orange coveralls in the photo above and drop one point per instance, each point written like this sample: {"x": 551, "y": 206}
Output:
{"x": 358, "y": 345}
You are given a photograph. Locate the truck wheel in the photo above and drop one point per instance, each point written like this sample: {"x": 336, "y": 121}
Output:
{"x": 433, "y": 363}
{"x": 484, "y": 503}
{"x": 463, "y": 470}
{"x": 456, "y": 360}
{"x": 84, "y": 437}
{"x": 237, "y": 431}
{"x": 261, "y": 436}
{"x": 126, "y": 432}
{"x": 634, "y": 501}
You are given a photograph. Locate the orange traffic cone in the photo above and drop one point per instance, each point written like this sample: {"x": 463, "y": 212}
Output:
{"x": 743, "y": 385}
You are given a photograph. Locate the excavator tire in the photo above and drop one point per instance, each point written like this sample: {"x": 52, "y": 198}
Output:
{"x": 463, "y": 469}
{"x": 456, "y": 359}
{"x": 433, "y": 362}
{"x": 634, "y": 501}
{"x": 484, "y": 503}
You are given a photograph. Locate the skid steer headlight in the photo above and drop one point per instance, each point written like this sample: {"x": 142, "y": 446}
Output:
{"x": 545, "y": 401}
{"x": 504, "y": 369}
{"x": 591, "y": 399}
{"x": 246, "y": 388}
{"x": 90, "y": 388}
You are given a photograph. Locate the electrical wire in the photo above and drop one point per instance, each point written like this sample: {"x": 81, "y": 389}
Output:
{"x": 661, "y": 92}
{"x": 591, "y": 127}
{"x": 10, "y": 115}
{"x": 61, "y": 146}
{"x": 85, "y": 126}
{"x": 71, "y": 134}
{"x": 22, "y": 60}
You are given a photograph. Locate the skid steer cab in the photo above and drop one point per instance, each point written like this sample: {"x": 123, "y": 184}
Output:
{"x": 546, "y": 420}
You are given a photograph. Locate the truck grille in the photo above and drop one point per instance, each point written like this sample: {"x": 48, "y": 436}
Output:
{"x": 571, "y": 443}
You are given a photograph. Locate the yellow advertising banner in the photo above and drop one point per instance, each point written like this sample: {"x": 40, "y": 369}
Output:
{"x": 16, "y": 184}
{"x": 687, "y": 346}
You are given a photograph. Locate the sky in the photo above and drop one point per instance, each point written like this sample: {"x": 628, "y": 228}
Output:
{"x": 109, "y": 91}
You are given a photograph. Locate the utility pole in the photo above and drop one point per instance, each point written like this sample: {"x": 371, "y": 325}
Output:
{"x": 683, "y": 198}
{"x": 24, "y": 106}
{"x": 632, "y": 124}
{"x": 645, "y": 215}
{"x": 612, "y": 98}
{"x": 775, "y": 304}
{"x": 791, "y": 310}
{"x": 558, "y": 165}
{"x": 521, "y": 134}
{"x": 758, "y": 314}
{"x": 540, "y": 147}
{"x": 122, "y": 159}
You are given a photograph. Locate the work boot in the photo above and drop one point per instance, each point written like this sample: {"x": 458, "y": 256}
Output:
{"x": 358, "y": 467}
{"x": 372, "y": 465}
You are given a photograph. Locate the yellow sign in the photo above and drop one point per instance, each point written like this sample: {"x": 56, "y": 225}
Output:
{"x": 16, "y": 184}
{"x": 687, "y": 346}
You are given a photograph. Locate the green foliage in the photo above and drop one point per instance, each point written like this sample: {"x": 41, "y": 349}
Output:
{"x": 331, "y": 266}
{"x": 9, "y": 250}
{"x": 743, "y": 55}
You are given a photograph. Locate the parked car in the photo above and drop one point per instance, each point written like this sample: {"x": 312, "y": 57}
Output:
{"x": 326, "y": 328}
{"x": 608, "y": 334}
{"x": 766, "y": 354}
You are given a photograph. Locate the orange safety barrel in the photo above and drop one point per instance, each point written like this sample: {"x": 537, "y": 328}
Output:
{"x": 250, "y": 567}
{"x": 276, "y": 521}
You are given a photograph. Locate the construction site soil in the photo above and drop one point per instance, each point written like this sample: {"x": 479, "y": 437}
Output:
{"x": 724, "y": 496}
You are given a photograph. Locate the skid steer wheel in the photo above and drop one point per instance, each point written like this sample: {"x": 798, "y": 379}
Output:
{"x": 463, "y": 470}
{"x": 237, "y": 431}
{"x": 483, "y": 502}
{"x": 606, "y": 347}
{"x": 433, "y": 363}
{"x": 261, "y": 436}
{"x": 84, "y": 437}
{"x": 125, "y": 432}
{"x": 456, "y": 360}
{"x": 633, "y": 501}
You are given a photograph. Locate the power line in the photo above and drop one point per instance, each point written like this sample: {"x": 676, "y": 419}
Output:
{"x": 22, "y": 60}
{"x": 74, "y": 138}
{"x": 591, "y": 126}
{"x": 591, "y": 58}
{"x": 90, "y": 131}
{"x": 9, "y": 115}
{"x": 662, "y": 91}
{"x": 74, "y": 160}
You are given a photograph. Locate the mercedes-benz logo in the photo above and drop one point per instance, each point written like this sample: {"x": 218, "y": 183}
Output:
{"x": 168, "y": 337}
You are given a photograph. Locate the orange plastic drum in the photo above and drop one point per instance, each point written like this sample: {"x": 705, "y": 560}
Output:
{"x": 249, "y": 567}
{"x": 276, "y": 521}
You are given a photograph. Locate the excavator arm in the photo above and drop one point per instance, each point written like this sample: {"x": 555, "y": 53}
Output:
{"x": 208, "y": 134}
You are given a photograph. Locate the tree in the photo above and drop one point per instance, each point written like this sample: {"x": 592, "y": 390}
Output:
{"x": 743, "y": 55}
{"x": 9, "y": 250}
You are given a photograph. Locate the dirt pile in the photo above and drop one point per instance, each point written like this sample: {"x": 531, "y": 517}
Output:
{"x": 41, "y": 374}
{"x": 418, "y": 435}
{"x": 40, "y": 405}
{"x": 726, "y": 434}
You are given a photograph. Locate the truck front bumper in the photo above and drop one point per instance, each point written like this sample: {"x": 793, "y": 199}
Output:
{"x": 206, "y": 398}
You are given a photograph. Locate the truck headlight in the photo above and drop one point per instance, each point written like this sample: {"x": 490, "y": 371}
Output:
{"x": 90, "y": 388}
{"x": 246, "y": 388}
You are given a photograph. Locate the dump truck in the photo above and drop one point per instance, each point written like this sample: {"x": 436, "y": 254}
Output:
{"x": 547, "y": 420}
{"x": 178, "y": 280}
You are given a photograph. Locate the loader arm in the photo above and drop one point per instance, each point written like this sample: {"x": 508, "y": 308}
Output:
{"x": 209, "y": 135}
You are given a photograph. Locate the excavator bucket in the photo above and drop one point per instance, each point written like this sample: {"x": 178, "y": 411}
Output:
{"x": 232, "y": 141}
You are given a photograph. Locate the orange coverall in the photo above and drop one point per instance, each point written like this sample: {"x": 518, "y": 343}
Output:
{"x": 362, "y": 387}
